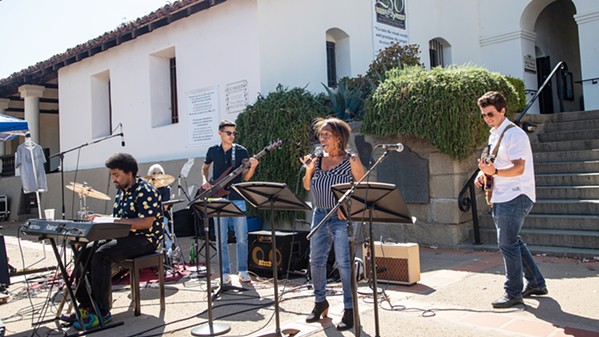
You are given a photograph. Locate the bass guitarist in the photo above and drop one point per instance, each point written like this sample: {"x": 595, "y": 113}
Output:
{"x": 224, "y": 158}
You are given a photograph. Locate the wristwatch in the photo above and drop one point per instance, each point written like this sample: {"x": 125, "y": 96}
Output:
{"x": 495, "y": 173}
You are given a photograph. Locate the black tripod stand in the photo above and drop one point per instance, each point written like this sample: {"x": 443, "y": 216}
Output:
{"x": 212, "y": 208}
{"x": 272, "y": 196}
{"x": 378, "y": 202}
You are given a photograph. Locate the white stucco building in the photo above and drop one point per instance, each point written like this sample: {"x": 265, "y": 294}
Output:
{"x": 169, "y": 77}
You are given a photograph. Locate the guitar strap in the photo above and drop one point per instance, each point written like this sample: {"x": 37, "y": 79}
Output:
{"x": 233, "y": 154}
{"x": 496, "y": 148}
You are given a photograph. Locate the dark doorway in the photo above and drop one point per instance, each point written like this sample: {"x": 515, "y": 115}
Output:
{"x": 546, "y": 97}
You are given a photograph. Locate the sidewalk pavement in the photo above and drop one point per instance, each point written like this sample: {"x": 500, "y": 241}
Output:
{"x": 453, "y": 298}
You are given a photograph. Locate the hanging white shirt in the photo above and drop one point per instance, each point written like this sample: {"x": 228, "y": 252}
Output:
{"x": 27, "y": 158}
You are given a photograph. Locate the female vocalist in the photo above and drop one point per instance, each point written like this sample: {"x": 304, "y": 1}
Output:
{"x": 336, "y": 165}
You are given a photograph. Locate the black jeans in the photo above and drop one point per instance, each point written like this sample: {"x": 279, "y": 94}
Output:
{"x": 100, "y": 270}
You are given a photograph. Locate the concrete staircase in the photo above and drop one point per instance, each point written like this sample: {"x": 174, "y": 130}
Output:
{"x": 565, "y": 218}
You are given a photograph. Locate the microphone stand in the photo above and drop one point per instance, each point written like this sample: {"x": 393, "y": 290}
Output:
{"x": 60, "y": 155}
{"x": 345, "y": 198}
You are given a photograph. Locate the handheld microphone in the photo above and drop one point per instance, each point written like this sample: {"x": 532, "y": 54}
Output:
{"x": 317, "y": 152}
{"x": 122, "y": 137}
{"x": 392, "y": 147}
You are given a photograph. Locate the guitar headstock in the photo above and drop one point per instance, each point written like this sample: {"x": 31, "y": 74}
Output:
{"x": 273, "y": 146}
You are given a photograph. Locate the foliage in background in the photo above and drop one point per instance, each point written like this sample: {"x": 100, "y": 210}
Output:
{"x": 394, "y": 56}
{"x": 519, "y": 86}
{"x": 285, "y": 114}
{"x": 346, "y": 102}
{"x": 438, "y": 105}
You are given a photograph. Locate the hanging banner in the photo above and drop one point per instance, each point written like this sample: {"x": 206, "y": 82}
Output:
{"x": 389, "y": 23}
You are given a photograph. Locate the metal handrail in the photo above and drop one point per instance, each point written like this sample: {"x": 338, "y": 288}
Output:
{"x": 468, "y": 202}
{"x": 593, "y": 80}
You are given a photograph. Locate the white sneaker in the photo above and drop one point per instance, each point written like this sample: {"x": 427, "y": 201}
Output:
{"x": 244, "y": 277}
{"x": 226, "y": 279}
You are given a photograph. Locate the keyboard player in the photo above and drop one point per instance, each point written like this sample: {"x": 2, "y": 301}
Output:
{"x": 136, "y": 203}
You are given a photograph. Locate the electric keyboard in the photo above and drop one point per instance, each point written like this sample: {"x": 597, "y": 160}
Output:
{"x": 82, "y": 231}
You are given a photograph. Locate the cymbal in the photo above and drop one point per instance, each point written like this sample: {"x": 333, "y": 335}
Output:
{"x": 172, "y": 202}
{"x": 86, "y": 190}
{"x": 160, "y": 180}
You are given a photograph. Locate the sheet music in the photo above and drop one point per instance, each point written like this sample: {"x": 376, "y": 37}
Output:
{"x": 104, "y": 219}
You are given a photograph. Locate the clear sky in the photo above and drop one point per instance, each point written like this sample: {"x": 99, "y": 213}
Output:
{"x": 35, "y": 30}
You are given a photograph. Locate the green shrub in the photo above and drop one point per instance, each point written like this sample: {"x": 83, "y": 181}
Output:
{"x": 438, "y": 105}
{"x": 519, "y": 87}
{"x": 394, "y": 56}
{"x": 285, "y": 114}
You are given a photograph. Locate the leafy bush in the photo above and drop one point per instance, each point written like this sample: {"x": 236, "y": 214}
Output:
{"x": 285, "y": 114}
{"x": 347, "y": 103}
{"x": 394, "y": 56}
{"x": 519, "y": 86}
{"x": 438, "y": 105}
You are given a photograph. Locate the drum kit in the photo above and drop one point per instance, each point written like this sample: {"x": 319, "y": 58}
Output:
{"x": 172, "y": 250}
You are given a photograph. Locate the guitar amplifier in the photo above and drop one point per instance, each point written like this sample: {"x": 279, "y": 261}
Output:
{"x": 395, "y": 262}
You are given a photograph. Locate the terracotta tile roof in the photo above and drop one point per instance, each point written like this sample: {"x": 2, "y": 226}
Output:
{"x": 48, "y": 69}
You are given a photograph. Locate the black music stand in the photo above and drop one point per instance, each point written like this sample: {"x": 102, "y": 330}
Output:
{"x": 213, "y": 208}
{"x": 376, "y": 202}
{"x": 272, "y": 196}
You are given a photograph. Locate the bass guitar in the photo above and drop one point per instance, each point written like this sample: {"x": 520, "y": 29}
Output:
{"x": 218, "y": 185}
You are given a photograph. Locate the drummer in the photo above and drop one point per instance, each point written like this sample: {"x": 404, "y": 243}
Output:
{"x": 156, "y": 177}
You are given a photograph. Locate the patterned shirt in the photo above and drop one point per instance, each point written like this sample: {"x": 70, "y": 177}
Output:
{"x": 141, "y": 200}
{"x": 322, "y": 180}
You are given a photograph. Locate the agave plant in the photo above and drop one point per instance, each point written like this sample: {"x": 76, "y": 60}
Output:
{"x": 346, "y": 103}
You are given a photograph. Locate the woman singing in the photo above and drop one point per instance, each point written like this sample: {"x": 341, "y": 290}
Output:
{"x": 335, "y": 166}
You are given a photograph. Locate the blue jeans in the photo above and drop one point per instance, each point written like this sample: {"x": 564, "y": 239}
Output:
{"x": 333, "y": 230}
{"x": 509, "y": 218}
{"x": 241, "y": 236}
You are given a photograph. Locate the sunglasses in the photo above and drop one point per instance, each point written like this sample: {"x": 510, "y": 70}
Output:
{"x": 231, "y": 133}
{"x": 490, "y": 115}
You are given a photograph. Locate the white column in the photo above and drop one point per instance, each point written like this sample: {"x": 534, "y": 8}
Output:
{"x": 3, "y": 106}
{"x": 31, "y": 94}
{"x": 588, "y": 26}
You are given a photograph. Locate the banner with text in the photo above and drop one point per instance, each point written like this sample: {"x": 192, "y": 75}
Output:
{"x": 203, "y": 113}
{"x": 389, "y": 23}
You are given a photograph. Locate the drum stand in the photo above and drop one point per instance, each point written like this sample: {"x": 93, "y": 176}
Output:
{"x": 175, "y": 248}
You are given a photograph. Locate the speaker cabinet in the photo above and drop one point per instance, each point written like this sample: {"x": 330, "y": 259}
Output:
{"x": 395, "y": 262}
{"x": 291, "y": 253}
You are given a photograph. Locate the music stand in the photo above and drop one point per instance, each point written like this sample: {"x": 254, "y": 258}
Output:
{"x": 213, "y": 208}
{"x": 378, "y": 202}
{"x": 272, "y": 196}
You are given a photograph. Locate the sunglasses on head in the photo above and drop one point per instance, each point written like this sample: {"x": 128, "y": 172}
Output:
{"x": 490, "y": 115}
{"x": 231, "y": 133}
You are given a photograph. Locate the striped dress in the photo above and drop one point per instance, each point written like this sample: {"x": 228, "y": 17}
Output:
{"x": 322, "y": 180}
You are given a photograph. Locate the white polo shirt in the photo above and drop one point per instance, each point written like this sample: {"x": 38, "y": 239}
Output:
{"x": 514, "y": 145}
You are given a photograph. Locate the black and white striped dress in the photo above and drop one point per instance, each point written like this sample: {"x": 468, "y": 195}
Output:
{"x": 322, "y": 180}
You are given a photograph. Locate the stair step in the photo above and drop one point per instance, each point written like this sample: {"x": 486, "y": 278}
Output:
{"x": 568, "y": 192}
{"x": 587, "y": 166}
{"x": 566, "y": 145}
{"x": 569, "y": 207}
{"x": 574, "y": 179}
{"x": 550, "y": 221}
{"x": 571, "y": 252}
{"x": 550, "y": 237}
{"x": 574, "y": 116}
{"x": 569, "y": 155}
{"x": 568, "y": 135}
{"x": 574, "y": 125}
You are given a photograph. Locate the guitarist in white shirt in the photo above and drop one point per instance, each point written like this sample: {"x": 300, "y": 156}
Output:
{"x": 512, "y": 199}
{"x": 224, "y": 158}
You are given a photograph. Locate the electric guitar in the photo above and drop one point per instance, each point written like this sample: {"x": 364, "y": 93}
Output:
{"x": 486, "y": 156}
{"x": 218, "y": 185}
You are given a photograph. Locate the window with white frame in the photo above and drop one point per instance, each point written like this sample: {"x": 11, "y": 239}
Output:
{"x": 338, "y": 56}
{"x": 101, "y": 105}
{"x": 163, "y": 88}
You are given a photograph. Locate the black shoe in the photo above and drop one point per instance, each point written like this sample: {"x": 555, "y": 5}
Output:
{"x": 320, "y": 308}
{"x": 347, "y": 321}
{"x": 506, "y": 302}
{"x": 534, "y": 291}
